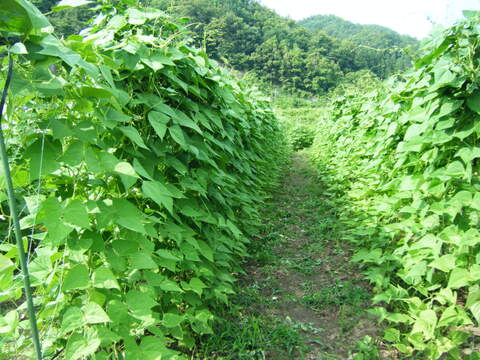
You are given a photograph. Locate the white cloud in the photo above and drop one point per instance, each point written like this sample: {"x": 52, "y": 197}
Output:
{"x": 412, "y": 17}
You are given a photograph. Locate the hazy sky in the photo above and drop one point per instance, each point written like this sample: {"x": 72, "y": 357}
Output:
{"x": 412, "y": 17}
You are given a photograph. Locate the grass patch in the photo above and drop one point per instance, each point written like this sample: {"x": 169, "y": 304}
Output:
{"x": 251, "y": 338}
{"x": 338, "y": 294}
{"x": 304, "y": 264}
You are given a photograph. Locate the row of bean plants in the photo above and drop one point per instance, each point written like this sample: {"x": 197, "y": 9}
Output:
{"x": 404, "y": 158}
{"x": 140, "y": 166}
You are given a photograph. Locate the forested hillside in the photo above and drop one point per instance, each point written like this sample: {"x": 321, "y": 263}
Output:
{"x": 375, "y": 36}
{"x": 253, "y": 39}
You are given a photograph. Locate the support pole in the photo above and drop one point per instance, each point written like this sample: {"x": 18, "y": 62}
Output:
{"x": 16, "y": 224}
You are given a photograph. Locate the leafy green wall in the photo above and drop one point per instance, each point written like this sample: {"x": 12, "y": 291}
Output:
{"x": 404, "y": 160}
{"x": 140, "y": 166}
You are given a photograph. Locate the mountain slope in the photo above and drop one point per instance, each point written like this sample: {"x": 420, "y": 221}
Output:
{"x": 376, "y": 36}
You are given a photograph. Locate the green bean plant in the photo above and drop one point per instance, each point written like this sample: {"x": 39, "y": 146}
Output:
{"x": 139, "y": 168}
{"x": 405, "y": 160}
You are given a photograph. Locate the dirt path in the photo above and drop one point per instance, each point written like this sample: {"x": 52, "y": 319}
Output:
{"x": 301, "y": 298}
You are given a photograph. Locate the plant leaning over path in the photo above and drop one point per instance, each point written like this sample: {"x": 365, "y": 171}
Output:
{"x": 406, "y": 158}
{"x": 140, "y": 166}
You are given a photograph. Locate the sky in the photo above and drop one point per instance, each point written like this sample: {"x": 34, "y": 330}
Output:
{"x": 410, "y": 17}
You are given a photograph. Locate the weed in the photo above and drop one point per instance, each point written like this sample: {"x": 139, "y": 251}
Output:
{"x": 316, "y": 247}
{"x": 366, "y": 349}
{"x": 305, "y": 264}
{"x": 340, "y": 293}
{"x": 251, "y": 338}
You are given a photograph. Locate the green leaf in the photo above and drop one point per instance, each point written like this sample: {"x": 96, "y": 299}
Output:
{"x": 458, "y": 278}
{"x": 201, "y": 322}
{"x": 473, "y": 295}
{"x": 128, "y": 216}
{"x": 104, "y": 278}
{"x": 473, "y": 101}
{"x": 43, "y": 156}
{"x": 94, "y": 314}
{"x": 170, "y": 286}
{"x": 197, "y": 285}
{"x": 77, "y": 278}
{"x": 182, "y": 119}
{"x": 205, "y": 250}
{"x": 470, "y": 238}
{"x": 57, "y": 230}
{"x": 177, "y": 135}
{"x": 118, "y": 312}
{"x": 153, "y": 347}
{"x": 40, "y": 269}
{"x": 106, "y": 336}
{"x": 171, "y": 320}
{"x": 443, "y": 76}
{"x": 20, "y": 16}
{"x": 95, "y": 92}
{"x": 5, "y": 263}
{"x": 76, "y": 214}
{"x": 159, "y": 123}
{"x": 74, "y": 155}
{"x": 156, "y": 61}
{"x": 166, "y": 254}
{"x": 133, "y": 135}
{"x": 72, "y": 320}
{"x": 162, "y": 58}
{"x": 191, "y": 211}
{"x": 18, "y": 48}
{"x": 467, "y": 154}
{"x": 425, "y": 324}
{"x": 81, "y": 346}
{"x": 140, "y": 304}
{"x": 475, "y": 309}
{"x": 415, "y": 130}
{"x": 449, "y": 317}
{"x": 455, "y": 169}
{"x": 114, "y": 116}
{"x": 164, "y": 108}
{"x": 137, "y": 299}
{"x": 444, "y": 263}
{"x": 158, "y": 193}
{"x": 392, "y": 335}
{"x": 136, "y": 17}
{"x": 126, "y": 169}
{"x": 142, "y": 260}
{"x": 140, "y": 169}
